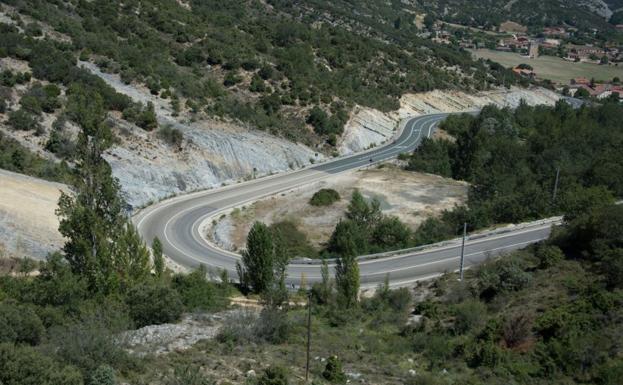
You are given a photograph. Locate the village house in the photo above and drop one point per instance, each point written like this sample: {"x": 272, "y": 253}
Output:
{"x": 597, "y": 90}
{"x": 584, "y": 52}
{"x": 524, "y": 72}
{"x": 555, "y": 32}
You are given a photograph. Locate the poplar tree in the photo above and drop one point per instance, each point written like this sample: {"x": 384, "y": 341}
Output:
{"x": 256, "y": 271}
{"x": 156, "y": 248}
{"x": 347, "y": 269}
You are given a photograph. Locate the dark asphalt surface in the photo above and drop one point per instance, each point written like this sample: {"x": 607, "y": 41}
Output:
{"x": 177, "y": 221}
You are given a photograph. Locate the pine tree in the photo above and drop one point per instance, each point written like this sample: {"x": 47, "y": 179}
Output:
{"x": 156, "y": 248}
{"x": 364, "y": 214}
{"x": 91, "y": 218}
{"x": 130, "y": 256}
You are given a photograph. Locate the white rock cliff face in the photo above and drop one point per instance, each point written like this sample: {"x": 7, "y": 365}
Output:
{"x": 213, "y": 152}
{"x": 368, "y": 127}
{"x": 149, "y": 170}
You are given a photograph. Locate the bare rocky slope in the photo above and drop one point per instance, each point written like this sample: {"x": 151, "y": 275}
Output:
{"x": 368, "y": 127}
{"x": 28, "y": 226}
{"x": 213, "y": 152}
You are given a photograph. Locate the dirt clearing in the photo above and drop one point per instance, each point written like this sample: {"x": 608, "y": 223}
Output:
{"x": 28, "y": 225}
{"x": 410, "y": 196}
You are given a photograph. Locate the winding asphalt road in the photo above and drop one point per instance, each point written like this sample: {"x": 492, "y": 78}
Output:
{"x": 177, "y": 222}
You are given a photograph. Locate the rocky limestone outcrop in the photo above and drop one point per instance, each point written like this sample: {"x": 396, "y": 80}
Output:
{"x": 368, "y": 127}
{"x": 213, "y": 152}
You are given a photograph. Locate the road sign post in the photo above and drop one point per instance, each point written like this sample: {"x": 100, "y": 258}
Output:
{"x": 463, "y": 251}
{"x": 556, "y": 184}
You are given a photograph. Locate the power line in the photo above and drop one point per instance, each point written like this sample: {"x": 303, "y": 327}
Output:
{"x": 309, "y": 305}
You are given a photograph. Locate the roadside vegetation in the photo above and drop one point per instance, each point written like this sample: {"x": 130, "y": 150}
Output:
{"x": 511, "y": 158}
{"x": 59, "y": 326}
{"x": 547, "y": 314}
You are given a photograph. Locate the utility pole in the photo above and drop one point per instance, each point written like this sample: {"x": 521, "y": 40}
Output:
{"x": 556, "y": 184}
{"x": 309, "y": 305}
{"x": 463, "y": 250}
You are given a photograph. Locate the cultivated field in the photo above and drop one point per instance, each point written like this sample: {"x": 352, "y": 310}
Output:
{"x": 551, "y": 67}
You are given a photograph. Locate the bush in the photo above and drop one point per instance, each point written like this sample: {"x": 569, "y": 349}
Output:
{"x": 171, "y": 135}
{"x": 103, "y": 375}
{"x": 274, "y": 375}
{"x": 390, "y": 233}
{"x": 61, "y": 145}
{"x": 187, "y": 375}
{"x": 333, "y": 371}
{"x": 238, "y": 328}
{"x": 505, "y": 274}
{"x": 324, "y": 197}
{"x": 273, "y": 326}
{"x": 549, "y": 256}
{"x": 20, "y": 324}
{"x": 21, "y": 365}
{"x": 93, "y": 339}
{"x": 197, "y": 293}
{"x": 294, "y": 241}
{"x": 154, "y": 304}
{"x": 612, "y": 266}
{"x": 23, "y": 120}
{"x": 517, "y": 328}
{"x": 469, "y": 315}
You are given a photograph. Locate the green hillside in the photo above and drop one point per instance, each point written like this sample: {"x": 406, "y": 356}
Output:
{"x": 263, "y": 63}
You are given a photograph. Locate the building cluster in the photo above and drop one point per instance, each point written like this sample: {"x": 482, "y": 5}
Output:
{"x": 590, "y": 53}
{"x": 552, "y": 39}
{"x": 594, "y": 89}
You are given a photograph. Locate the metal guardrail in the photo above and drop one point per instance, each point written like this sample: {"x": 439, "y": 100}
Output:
{"x": 502, "y": 230}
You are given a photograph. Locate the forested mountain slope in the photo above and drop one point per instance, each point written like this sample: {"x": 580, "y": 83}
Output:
{"x": 266, "y": 64}
{"x": 582, "y": 14}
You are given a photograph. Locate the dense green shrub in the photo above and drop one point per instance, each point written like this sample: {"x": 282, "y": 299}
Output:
{"x": 390, "y": 233}
{"x": 152, "y": 304}
{"x": 19, "y": 324}
{"x": 274, "y": 375}
{"x": 432, "y": 157}
{"x": 60, "y": 144}
{"x": 103, "y": 375}
{"x": 469, "y": 315}
{"x": 333, "y": 371}
{"x": 294, "y": 241}
{"x": 92, "y": 339}
{"x": 549, "y": 256}
{"x": 22, "y": 120}
{"x": 197, "y": 293}
{"x": 324, "y": 197}
{"x": 20, "y": 365}
{"x": 505, "y": 274}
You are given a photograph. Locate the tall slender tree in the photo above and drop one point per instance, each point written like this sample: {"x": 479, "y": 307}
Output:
{"x": 92, "y": 218}
{"x": 256, "y": 271}
{"x": 156, "y": 249}
{"x": 347, "y": 270}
